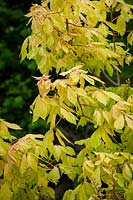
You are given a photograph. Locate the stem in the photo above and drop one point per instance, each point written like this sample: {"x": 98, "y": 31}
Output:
{"x": 110, "y": 80}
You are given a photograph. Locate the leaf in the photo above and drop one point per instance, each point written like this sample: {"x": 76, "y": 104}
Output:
{"x": 121, "y": 25}
{"x": 2, "y": 164}
{"x": 97, "y": 177}
{"x": 68, "y": 116}
{"x": 112, "y": 95}
{"x": 126, "y": 172}
{"x": 129, "y": 121}
{"x": 119, "y": 122}
{"x": 129, "y": 191}
{"x": 48, "y": 140}
{"x": 60, "y": 139}
{"x": 89, "y": 79}
{"x": 96, "y": 138}
{"x": 32, "y": 161}
{"x": 130, "y": 38}
{"x": 23, "y": 52}
{"x": 69, "y": 194}
{"x": 41, "y": 108}
{"x": 23, "y": 164}
{"x": 54, "y": 175}
{"x": 50, "y": 41}
{"x": 63, "y": 136}
{"x": 101, "y": 97}
{"x": 4, "y": 133}
{"x": 58, "y": 22}
{"x": 57, "y": 152}
{"x": 12, "y": 126}
{"x": 98, "y": 117}
{"x": 80, "y": 192}
{"x": 88, "y": 168}
{"x": 5, "y": 192}
{"x": 47, "y": 192}
{"x": 71, "y": 95}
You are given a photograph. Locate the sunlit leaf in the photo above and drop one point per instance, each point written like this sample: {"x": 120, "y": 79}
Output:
{"x": 68, "y": 116}
{"x": 119, "y": 122}
{"x": 101, "y": 97}
{"x": 12, "y": 126}
{"x": 112, "y": 95}
{"x": 54, "y": 175}
{"x": 127, "y": 174}
{"x": 129, "y": 121}
{"x": 32, "y": 161}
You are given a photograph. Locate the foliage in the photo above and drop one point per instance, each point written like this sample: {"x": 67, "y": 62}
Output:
{"x": 78, "y": 41}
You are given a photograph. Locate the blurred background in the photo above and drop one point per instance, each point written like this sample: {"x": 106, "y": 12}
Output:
{"x": 17, "y": 87}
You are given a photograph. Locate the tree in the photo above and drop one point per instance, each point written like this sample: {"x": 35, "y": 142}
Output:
{"x": 75, "y": 43}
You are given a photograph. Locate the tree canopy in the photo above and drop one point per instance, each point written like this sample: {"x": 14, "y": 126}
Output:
{"x": 77, "y": 46}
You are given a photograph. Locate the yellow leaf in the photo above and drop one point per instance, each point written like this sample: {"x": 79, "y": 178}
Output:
{"x": 12, "y": 126}
{"x": 71, "y": 95}
{"x": 101, "y": 97}
{"x": 129, "y": 121}
{"x": 119, "y": 123}
{"x": 68, "y": 116}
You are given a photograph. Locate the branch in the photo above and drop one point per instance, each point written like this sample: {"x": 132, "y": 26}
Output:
{"x": 111, "y": 81}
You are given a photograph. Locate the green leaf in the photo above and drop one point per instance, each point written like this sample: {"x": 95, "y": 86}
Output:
{"x": 97, "y": 177}
{"x": 96, "y": 138}
{"x": 129, "y": 191}
{"x": 69, "y": 194}
{"x": 2, "y": 164}
{"x": 121, "y": 25}
{"x": 126, "y": 172}
{"x": 130, "y": 38}
{"x": 4, "y": 133}
{"x": 54, "y": 175}
{"x": 5, "y": 192}
{"x": 63, "y": 136}
{"x": 24, "y": 47}
{"x": 119, "y": 122}
{"x": 47, "y": 192}
{"x": 48, "y": 140}
{"x": 23, "y": 164}
{"x": 68, "y": 116}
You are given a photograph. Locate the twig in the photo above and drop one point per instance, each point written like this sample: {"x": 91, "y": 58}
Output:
{"x": 111, "y": 81}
